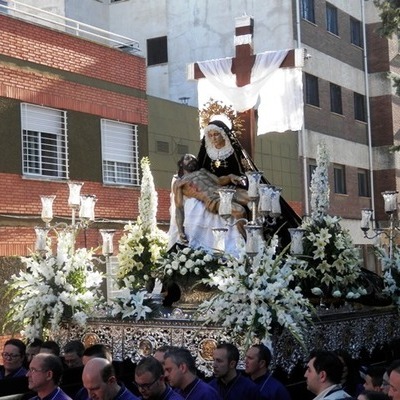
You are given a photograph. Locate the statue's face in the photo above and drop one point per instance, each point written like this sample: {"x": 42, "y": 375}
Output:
{"x": 190, "y": 162}
{"x": 216, "y": 139}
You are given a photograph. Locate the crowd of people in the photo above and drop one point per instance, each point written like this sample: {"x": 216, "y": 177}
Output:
{"x": 43, "y": 371}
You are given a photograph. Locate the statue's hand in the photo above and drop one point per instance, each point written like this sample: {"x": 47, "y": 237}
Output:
{"x": 183, "y": 239}
{"x": 237, "y": 180}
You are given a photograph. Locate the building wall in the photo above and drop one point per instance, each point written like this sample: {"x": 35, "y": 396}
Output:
{"x": 90, "y": 81}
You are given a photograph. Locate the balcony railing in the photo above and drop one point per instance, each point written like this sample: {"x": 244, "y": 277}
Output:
{"x": 68, "y": 25}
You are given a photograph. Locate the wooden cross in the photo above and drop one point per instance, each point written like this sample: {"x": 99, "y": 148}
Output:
{"x": 241, "y": 67}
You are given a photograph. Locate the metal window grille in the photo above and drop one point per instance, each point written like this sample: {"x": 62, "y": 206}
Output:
{"x": 120, "y": 153}
{"x": 44, "y": 142}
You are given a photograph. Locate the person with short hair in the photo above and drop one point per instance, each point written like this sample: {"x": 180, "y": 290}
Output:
{"x": 324, "y": 374}
{"x": 73, "y": 353}
{"x": 228, "y": 382}
{"x": 32, "y": 349}
{"x": 374, "y": 378}
{"x": 180, "y": 371}
{"x": 50, "y": 347}
{"x": 150, "y": 381}
{"x": 257, "y": 361}
{"x": 13, "y": 359}
{"x": 100, "y": 381}
{"x": 44, "y": 376}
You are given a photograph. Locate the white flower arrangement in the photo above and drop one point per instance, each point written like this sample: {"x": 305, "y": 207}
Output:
{"x": 391, "y": 271}
{"x": 257, "y": 295}
{"x": 130, "y": 304}
{"x": 333, "y": 266}
{"x": 54, "y": 287}
{"x": 141, "y": 249}
{"x": 143, "y": 244}
{"x": 187, "y": 264}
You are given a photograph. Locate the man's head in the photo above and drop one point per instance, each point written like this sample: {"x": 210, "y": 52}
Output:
{"x": 99, "y": 379}
{"x": 179, "y": 367}
{"x": 44, "y": 374}
{"x": 324, "y": 369}
{"x": 50, "y": 347}
{"x": 374, "y": 378}
{"x": 160, "y": 353}
{"x": 394, "y": 381}
{"x": 257, "y": 360}
{"x": 149, "y": 378}
{"x": 226, "y": 358}
{"x": 32, "y": 349}
{"x": 96, "y": 351}
{"x": 13, "y": 355}
{"x": 73, "y": 353}
{"x": 187, "y": 163}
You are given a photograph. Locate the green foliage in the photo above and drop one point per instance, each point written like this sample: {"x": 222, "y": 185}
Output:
{"x": 390, "y": 16}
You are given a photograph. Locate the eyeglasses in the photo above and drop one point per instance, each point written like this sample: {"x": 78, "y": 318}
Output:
{"x": 33, "y": 370}
{"x": 10, "y": 355}
{"x": 146, "y": 386}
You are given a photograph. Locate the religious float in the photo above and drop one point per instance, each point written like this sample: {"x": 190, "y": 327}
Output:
{"x": 293, "y": 284}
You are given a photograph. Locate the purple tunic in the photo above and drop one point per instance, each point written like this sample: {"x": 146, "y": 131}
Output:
{"x": 271, "y": 388}
{"x": 199, "y": 390}
{"x": 238, "y": 388}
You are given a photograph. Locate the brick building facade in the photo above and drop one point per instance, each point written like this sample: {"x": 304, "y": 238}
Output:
{"x": 91, "y": 83}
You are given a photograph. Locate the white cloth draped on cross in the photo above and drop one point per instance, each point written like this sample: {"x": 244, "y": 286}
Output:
{"x": 276, "y": 92}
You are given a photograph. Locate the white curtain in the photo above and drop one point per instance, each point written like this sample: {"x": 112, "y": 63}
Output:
{"x": 276, "y": 91}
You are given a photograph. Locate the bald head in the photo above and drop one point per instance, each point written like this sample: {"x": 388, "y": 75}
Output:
{"x": 99, "y": 379}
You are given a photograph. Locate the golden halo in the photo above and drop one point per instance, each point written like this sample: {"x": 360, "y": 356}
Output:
{"x": 215, "y": 107}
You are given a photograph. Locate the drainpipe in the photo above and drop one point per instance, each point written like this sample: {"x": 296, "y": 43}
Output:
{"x": 302, "y": 132}
{"x": 371, "y": 170}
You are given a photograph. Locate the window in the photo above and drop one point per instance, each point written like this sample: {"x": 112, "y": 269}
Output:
{"x": 182, "y": 149}
{"x": 307, "y": 10}
{"x": 363, "y": 183}
{"x": 3, "y": 9}
{"x": 157, "y": 51}
{"x": 355, "y": 32}
{"x": 162, "y": 147}
{"x": 44, "y": 142}
{"x": 120, "y": 153}
{"x": 336, "y": 98}
{"x": 339, "y": 179}
{"x": 312, "y": 93}
{"x": 359, "y": 107}
{"x": 332, "y": 19}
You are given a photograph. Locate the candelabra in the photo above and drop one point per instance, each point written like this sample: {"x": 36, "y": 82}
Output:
{"x": 265, "y": 208}
{"x": 83, "y": 205}
{"x": 392, "y": 231}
